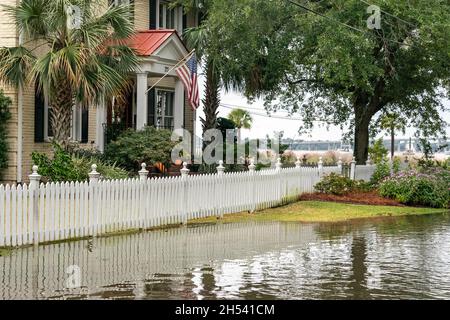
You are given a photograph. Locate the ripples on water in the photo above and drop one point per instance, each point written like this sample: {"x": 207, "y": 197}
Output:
{"x": 394, "y": 258}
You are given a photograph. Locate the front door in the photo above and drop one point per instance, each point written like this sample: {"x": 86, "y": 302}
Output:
{"x": 161, "y": 108}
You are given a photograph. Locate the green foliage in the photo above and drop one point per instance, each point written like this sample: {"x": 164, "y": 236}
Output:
{"x": 396, "y": 164}
{"x": 66, "y": 167}
{"x": 224, "y": 124}
{"x": 428, "y": 188}
{"x": 382, "y": 170}
{"x": 86, "y": 64}
{"x": 378, "y": 151}
{"x": 107, "y": 171}
{"x": 5, "y": 115}
{"x": 60, "y": 168}
{"x": 339, "y": 185}
{"x": 114, "y": 130}
{"x": 241, "y": 118}
{"x": 317, "y": 68}
{"x": 132, "y": 148}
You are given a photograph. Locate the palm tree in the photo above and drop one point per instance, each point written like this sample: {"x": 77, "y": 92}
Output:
{"x": 200, "y": 39}
{"x": 84, "y": 63}
{"x": 392, "y": 122}
{"x": 242, "y": 119}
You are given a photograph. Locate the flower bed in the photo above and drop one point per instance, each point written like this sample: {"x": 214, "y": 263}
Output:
{"x": 367, "y": 198}
{"x": 429, "y": 187}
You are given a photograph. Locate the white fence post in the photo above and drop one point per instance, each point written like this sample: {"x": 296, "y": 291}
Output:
{"x": 220, "y": 168}
{"x": 35, "y": 179}
{"x": 298, "y": 163}
{"x": 278, "y": 165}
{"x": 353, "y": 169}
{"x": 320, "y": 167}
{"x": 218, "y": 189}
{"x": 339, "y": 164}
{"x": 143, "y": 174}
{"x": 252, "y": 166}
{"x": 94, "y": 177}
{"x": 369, "y": 161}
{"x": 184, "y": 176}
{"x": 184, "y": 171}
{"x": 252, "y": 170}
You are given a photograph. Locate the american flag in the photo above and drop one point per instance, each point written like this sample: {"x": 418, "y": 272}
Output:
{"x": 188, "y": 74}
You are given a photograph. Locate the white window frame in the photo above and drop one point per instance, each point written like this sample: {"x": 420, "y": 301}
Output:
{"x": 161, "y": 22}
{"x": 47, "y": 138}
{"x": 163, "y": 111}
{"x": 77, "y": 123}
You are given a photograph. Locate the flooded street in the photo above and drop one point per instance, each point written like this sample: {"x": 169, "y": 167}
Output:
{"x": 379, "y": 259}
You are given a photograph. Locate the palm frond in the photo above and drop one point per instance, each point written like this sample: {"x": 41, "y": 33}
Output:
{"x": 31, "y": 17}
{"x": 15, "y": 65}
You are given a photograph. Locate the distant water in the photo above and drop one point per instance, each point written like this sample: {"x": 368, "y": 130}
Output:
{"x": 390, "y": 258}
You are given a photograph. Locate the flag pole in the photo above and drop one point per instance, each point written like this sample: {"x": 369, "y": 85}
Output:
{"x": 179, "y": 62}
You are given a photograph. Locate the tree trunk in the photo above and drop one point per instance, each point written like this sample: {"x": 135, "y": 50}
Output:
{"x": 392, "y": 141}
{"x": 61, "y": 105}
{"x": 361, "y": 141}
{"x": 211, "y": 101}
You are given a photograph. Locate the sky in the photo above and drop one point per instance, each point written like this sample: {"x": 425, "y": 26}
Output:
{"x": 265, "y": 125}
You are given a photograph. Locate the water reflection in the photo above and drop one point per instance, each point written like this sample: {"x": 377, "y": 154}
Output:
{"x": 393, "y": 258}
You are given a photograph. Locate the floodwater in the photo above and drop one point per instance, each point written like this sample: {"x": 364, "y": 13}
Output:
{"x": 395, "y": 258}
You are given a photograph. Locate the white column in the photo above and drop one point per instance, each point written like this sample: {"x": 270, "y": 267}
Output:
{"x": 99, "y": 129}
{"x": 179, "y": 105}
{"x": 141, "y": 101}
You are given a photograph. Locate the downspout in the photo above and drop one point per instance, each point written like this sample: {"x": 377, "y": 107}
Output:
{"x": 20, "y": 125}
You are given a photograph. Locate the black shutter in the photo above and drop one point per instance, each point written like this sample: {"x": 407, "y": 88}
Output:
{"x": 151, "y": 108}
{"x": 84, "y": 125}
{"x": 153, "y": 13}
{"x": 39, "y": 105}
{"x": 184, "y": 21}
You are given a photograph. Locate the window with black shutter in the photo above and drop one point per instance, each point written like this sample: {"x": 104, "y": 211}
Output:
{"x": 39, "y": 112}
{"x": 84, "y": 126}
{"x": 151, "y": 107}
{"x": 153, "y": 13}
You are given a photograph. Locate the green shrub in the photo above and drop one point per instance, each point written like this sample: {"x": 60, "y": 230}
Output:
{"x": 378, "y": 152}
{"x": 132, "y": 148}
{"x": 66, "y": 167}
{"x": 430, "y": 188}
{"x": 114, "y": 130}
{"x": 335, "y": 184}
{"x": 396, "y": 164}
{"x": 340, "y": 185}
{"x": 382, "y": 171}
{"x": 107, "y": 171}
{"x": 5, "y": 115}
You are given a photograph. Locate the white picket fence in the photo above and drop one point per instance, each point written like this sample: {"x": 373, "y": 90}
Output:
{"x": 37, "y": 213}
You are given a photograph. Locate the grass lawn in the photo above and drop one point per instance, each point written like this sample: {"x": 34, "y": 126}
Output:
{"x": 316, "y": 211}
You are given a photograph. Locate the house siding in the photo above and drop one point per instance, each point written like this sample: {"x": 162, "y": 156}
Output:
{"x": 141, "y": 14}
{"x": 9, "y": 38}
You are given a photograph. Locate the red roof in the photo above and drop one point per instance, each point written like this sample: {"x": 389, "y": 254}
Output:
{"x": 147, "y": 42}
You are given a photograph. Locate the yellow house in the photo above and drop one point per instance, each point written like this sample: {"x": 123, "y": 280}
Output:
{"x": 159, "y": 44}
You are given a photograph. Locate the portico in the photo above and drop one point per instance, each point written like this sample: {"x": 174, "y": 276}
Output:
{"x": 164, "y": 106}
